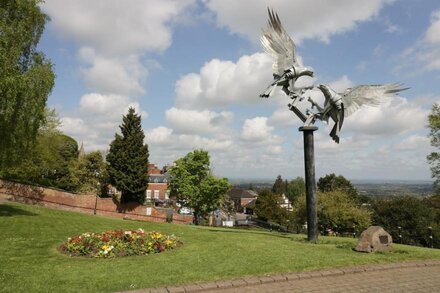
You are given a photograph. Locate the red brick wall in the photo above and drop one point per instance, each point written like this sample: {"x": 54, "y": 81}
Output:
{"x": 84, "y": 203}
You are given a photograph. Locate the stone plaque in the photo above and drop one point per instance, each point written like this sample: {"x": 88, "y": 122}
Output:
{"x": 383, "y": 239}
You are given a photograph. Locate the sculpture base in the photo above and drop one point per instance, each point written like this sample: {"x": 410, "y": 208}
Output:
{"x": 308, "y": 128}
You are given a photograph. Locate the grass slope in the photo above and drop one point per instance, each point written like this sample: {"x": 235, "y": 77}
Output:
{"x": 30, "y": 262}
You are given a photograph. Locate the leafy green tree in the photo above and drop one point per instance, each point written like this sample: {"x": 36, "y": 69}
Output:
{"x": 128, "y": 159}
{"x": 267, "y": 207}
{"x": 193, "y": 185}
{"x": 279, "y": 186}
{"x": 46, "y": 164}
{"x": 434, "y": 134}
{"x": 336, "y": 209}
{"x": 331, "y": 182}
{"x": 295, "y": 188}
{"x": 26, "y": 79}
{"x": 88, "y": 173}
{"x": 412, "y": 214}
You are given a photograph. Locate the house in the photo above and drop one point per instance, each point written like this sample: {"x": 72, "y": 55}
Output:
{"x": 249, "y": 207}
{"x": 286, "y": 203}
{"x": 241, "y": 197}
{"x": 157, "y": 191}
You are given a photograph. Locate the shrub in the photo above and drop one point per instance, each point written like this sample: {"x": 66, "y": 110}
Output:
{"x": 118, "y": 243}
{"x": 336, "y": 210}
{"x": 411, "y": 214}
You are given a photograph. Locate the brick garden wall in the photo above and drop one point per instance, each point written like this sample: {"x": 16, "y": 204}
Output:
{"x": 84, "y": 203}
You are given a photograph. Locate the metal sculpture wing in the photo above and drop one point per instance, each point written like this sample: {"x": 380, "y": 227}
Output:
{"x": 278, "y": 44}
{"x": 371, "y": 95}
{"x": 286, "y": 67}
{"x": 337, "y": 106}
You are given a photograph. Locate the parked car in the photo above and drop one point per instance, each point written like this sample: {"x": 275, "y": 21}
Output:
{"x": 185, "y": 211}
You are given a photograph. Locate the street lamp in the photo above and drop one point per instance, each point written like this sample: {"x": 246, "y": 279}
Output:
{"x": 97, "y": 190}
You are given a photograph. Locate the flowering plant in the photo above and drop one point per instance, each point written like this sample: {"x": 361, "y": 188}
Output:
{"x": 118, "y": 243}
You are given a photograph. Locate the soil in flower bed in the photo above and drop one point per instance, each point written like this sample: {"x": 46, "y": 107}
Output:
{"x": 118, "y": 243}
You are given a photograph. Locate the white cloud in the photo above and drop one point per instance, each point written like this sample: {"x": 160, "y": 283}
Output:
{"x": 113, "y": 38}
{"x": 169, "y": 141}
{"x": 97, "y": 119}
{"x": 425, "y": 54}
{"x": 115, "y": 27}
{"x": 105, "y": 105}
{"x": 414, "y": 142}
{"x": 256, "y": 129}
{"x": 222, "y": 83}
{"x": 303, "y": 19}
{"x": 159, "y": 136}
{"x": 341, "y": 84}
{"x": 192, "y": 121}
{"x": 256, "y": 133}
{"x": 396, "y": 117}
{"x": 125, "y": 75}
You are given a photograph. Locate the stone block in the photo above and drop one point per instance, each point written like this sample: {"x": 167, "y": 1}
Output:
{"x": 374, "y": 239}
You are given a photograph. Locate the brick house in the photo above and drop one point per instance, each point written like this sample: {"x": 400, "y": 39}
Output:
{"x": 241, "y": 197}
{"x": 157, "y": 191}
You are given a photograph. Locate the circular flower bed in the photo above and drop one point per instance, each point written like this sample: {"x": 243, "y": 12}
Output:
{"x": 118, "y": 243}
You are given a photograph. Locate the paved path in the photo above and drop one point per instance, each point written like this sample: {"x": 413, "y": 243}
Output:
{"x": 402, "y": 277}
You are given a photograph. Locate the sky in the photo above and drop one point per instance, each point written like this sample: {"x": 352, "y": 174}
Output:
{"x": 194, "y": 70}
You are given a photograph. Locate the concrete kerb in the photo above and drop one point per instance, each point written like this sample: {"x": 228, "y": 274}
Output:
{"x": 279, "y": 278}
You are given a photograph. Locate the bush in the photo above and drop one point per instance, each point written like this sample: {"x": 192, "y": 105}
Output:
{"x": 336, "y": 209}
{"x": 411, "y": 214}
{"x": 267, "y": 207}
{"x": 118, "y": 243}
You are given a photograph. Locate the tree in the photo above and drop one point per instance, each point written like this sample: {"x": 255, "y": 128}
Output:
{"x": 295, "y": 188}
{"x": 279, "y": 187}
{"x": 26, "y": 79}
{"x": 128, "y": 159}
{"x": 336, "y": 209}
{"x": 434, "y": 134}
{"x": 193, "y": 185}
{"x": 87, "y": 173}
{"x": 413, "y": 215}
{"x": 267, "y": 207}
{"x": 331, "y": 182}
{"x": 47, "y": 163}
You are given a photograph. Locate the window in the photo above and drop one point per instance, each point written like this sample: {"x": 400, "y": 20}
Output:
{"x": 156, "y": 194}
{"x": 148, "y": 194}
{"x": 156, "y": 180}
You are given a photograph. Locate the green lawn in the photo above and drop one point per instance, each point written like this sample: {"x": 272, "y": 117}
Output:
{"x": 30, "y": 262}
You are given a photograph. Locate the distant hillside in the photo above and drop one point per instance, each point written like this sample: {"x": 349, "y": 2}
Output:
{"x": 394, "y": 188}
{"x": 365, "y": 187}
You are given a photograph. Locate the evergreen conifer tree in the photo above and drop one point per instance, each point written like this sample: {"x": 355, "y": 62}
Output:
{"x": 128, "y": 159}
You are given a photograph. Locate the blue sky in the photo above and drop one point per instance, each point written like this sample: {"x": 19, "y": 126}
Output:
{"x": 194, "y": 70}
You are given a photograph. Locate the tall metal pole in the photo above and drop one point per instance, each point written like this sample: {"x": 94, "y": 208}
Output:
{"x": 309, "y": 164}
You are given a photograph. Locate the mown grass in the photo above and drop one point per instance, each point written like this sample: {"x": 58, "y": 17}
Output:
{"x": 30, "y": 261}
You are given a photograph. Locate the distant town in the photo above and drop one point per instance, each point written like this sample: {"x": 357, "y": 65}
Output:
{"x": 374, "y": 188}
